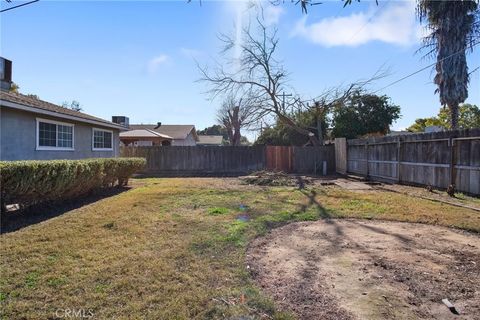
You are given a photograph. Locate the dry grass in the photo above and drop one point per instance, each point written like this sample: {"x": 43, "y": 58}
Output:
{"x": 175, "y": 248}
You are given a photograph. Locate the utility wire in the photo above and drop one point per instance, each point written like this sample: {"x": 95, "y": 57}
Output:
{"x": 18, "y": 6}
{"x": 424, "y": 68}
{"x": 369, "y": 20}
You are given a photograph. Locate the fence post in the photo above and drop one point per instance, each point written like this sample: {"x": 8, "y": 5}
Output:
{"x": 452, "y": 161}
{"x": 341, "y": 157}
{"x": 399, "y": 156}
{"x": 366, "y": 154}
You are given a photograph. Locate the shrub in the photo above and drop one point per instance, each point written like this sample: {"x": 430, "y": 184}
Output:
{"x": 29, "y": 182}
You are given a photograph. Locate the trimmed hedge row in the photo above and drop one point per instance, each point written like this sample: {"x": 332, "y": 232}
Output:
{"x": 28, "y": 182}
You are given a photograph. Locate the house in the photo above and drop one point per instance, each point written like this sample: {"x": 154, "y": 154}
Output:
{"x": 144, "y": 137}
{"x": 33, "y": 129}
{"x": 209, "y": 140}
{"x": 178, "y": 135}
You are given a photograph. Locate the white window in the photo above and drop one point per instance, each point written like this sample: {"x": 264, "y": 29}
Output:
{"x": 102, "y": 140}
{"x": 54, "y": 135}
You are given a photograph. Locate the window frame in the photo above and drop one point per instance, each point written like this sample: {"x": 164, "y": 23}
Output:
{"x": 93, "y": 139}
{"x": 50, "y": 148}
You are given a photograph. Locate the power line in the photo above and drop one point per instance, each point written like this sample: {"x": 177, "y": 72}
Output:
{"x": 18, "y": 6}
{"x": 369, "y": 20}
{"x": 424, "y": 68}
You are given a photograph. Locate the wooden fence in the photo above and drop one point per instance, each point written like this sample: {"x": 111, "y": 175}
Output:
{"x": 223, "y": 161}
{"x": 436, "y": 159}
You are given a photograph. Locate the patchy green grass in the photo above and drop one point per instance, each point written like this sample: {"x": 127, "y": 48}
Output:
{"x": 175, "y": 248}
{"x": 217, "y": 211}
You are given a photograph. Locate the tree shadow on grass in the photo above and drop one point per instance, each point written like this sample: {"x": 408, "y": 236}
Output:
{"x": 18, "y": 219}
{"x": 323, "y": 213}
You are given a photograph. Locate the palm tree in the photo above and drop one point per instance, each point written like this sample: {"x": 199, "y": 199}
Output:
{"x": 454, "y": 29}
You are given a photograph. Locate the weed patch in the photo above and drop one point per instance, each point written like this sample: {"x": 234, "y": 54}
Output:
{"x": 217, "y": 211}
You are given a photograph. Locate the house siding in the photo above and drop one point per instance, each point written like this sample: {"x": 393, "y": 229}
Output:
{"x": 188, "y": 141}
{"x": 18, "y": 134}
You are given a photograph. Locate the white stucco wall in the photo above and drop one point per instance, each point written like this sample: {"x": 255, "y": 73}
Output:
{"x": 189, "y": 141}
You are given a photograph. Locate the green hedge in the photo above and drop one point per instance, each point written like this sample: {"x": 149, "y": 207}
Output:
{"x": 28, "y": 182}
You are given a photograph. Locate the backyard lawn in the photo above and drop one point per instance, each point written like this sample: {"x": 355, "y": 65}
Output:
{"x": 176, "y": 248}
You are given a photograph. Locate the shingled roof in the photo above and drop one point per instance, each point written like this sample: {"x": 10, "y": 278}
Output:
{"x": 176, "y": 131}
{"x": 143, "y": 133}
{"x": 17, "y": 100}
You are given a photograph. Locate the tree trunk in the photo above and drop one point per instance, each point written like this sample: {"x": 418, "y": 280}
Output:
{"x": 235, "y": 122}
{"x": 453, "y": 115}
{"x": 320, "y": 131}
{"x": 236, "y": 137}
{"x": 289, "y": 122}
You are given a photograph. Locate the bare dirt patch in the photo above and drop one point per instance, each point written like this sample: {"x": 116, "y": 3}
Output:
{"x": 358, "y": 269}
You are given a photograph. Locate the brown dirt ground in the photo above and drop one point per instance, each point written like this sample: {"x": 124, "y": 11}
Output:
{"x": 359, "y": 269}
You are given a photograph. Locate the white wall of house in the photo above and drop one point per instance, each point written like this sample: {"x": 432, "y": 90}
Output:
{"x": 188, "y": 141}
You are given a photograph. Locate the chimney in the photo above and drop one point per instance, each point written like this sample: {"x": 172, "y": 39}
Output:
{"x": 121, "y": 120}
{"x": 5, "y": 74}
{"x": 159, "y": 124}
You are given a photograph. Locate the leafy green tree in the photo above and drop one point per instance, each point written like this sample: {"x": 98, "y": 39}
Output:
{"x": 468, "y": 117}
{"x": 454, "y": 28}
{"x": 421, "y": 123}
{"x": 14, "y": 87}
{"x": 218, "y": 130}
{"x": 215, "y": 130}
{"x": 362, "y": 114}
{"x": 282, "y": 134}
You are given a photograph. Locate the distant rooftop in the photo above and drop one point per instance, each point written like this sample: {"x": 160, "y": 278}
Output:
{"x": 176, "y": 131}
{"x": 144, "y": 133}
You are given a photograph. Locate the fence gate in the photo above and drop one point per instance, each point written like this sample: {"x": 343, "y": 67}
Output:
{"x": 279, "y": 158}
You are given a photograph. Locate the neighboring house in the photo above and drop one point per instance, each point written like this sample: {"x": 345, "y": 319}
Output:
{"x": 430, "y": 129}
{"x": 398, "y": 133}
{"x": 33, "y": 129}
{"x": 182, "y": 135}
{"x": 209, "y": 140}
{"x": 144, "y": 137}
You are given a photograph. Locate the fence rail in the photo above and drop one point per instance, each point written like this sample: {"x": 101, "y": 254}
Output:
{"x": 435, "y": 159}
{"x": 222, "y": 161}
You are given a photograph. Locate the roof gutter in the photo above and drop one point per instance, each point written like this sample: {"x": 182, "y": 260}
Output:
{"x": 9, "y": 104}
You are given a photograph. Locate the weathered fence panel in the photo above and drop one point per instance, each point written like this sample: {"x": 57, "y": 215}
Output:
{"x": 219, "y": 161}
{"x": 436, "y": 159}
{"x": 279, "y": 158}
{"x": 310, "y": 160}
{"x": 211, "y": 160}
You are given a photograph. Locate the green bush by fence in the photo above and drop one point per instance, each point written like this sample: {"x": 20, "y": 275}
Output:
{"x": 29, "y": 182}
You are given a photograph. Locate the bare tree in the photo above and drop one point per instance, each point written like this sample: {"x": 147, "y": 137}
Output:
{"x": 74, "y": 105}
{"x": 258, "y": 72}
{"x": 236, "y": 114}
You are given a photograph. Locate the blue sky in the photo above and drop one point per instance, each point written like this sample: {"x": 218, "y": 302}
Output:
{"x": 137, "y": 58}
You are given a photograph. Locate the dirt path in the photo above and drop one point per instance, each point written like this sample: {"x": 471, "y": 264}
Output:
{"x": 358, "y": 269}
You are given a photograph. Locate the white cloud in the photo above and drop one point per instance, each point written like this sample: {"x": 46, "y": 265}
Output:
{"x": 394, "y": 23}
{"x": 272, "y": 14}
{"x": 191, "y": 53}
{"x": 156, "y": 62}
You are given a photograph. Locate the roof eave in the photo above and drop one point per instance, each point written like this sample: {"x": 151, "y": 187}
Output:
{"x": 19, "y": 106}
